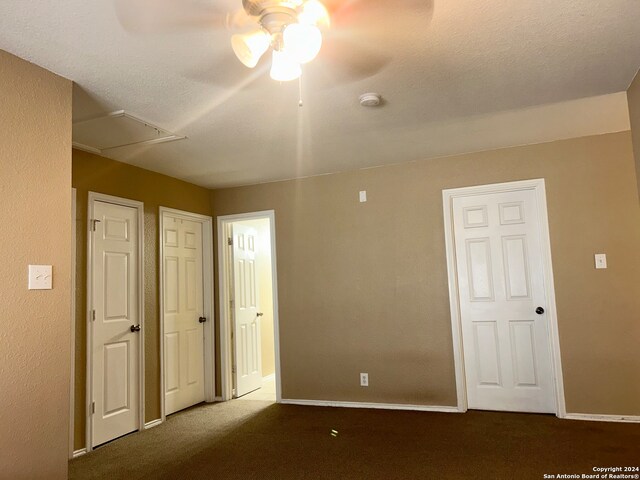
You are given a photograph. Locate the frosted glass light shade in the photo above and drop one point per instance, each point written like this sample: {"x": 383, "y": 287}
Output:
{"x": 302, "y": 42}
{"x": 284, "y": 68}
{"x": 249, "y": 47}
{"x": 314, "y": 13}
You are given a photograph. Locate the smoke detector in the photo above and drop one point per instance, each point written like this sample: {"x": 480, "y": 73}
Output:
{"x": 370, "y": 99}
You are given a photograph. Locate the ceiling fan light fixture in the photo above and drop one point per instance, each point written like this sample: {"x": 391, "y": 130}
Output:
{"x": 284, "y": 68}
{"x": 250, "y": 47}
{"x": 291, "y": 28}
{"x": 302, "y": 42}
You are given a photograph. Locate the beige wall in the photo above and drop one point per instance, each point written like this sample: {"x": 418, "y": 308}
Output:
{"x": 35, "y": 187}
{"x": 99, "y": 174}
{"x": 363, "y": 287}
{"x": 265, "y": 292}
{"x": 633, "y": 96}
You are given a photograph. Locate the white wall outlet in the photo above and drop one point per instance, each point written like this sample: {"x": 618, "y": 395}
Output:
{"x": 364, "y": 379}
{"x": 40, "y": 277}
{"x": 363, "y": 196}
{"x": 601, "y": 260}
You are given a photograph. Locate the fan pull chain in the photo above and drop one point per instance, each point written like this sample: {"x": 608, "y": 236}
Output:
{"x": 300, "y": 103}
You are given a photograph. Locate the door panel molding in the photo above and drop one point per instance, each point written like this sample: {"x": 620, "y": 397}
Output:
{"x": 208, "y": 289}
{"x": 224, "y": 265}
{"x": 139, "y": 206}
{"x": 538, "y": 186}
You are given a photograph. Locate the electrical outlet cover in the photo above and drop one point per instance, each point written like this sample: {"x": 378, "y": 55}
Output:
{"x": 601, "y": 260}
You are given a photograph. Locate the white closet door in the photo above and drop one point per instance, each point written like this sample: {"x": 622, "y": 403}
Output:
{"x": 116, "y": 347}
{"x": 507, "y": 353}
{"x": 183, "y": 307}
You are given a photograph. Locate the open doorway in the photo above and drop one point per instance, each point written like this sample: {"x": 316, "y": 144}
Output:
{"x": 248, "y": 307}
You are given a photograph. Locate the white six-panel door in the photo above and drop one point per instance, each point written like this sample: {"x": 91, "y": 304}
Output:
{"x": 247, "y": 338}
{"x": 183, "y": 307}
{"x": 115, "y": 347}
{"x": 507, "y": 355}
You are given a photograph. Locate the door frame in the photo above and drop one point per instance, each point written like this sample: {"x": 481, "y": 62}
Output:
{"x": 223, "y": 304}
{"x": 207, "y": 297}
{"x": 538, "y": 186}
{"x": 72, "y": 368}
{"x": 139, "y": 206}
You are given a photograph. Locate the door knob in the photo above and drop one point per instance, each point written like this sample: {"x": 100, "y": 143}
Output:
{"x": 135, "y": 328}
{"x": 202, "y": 319}
{"x": 259, "y": 314}
{"x": 539, "y": 310}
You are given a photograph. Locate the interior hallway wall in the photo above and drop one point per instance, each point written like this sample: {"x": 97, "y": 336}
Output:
{"x": 98, "y": 174}
{"x": 363, "y": 286}
{"x": 35, "y": 187}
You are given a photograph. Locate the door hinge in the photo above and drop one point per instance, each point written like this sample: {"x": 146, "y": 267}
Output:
{"x": 233, "y": 369}
{"x": 94, "y": 222}
{"x": 93, "y": 407}
{"x": 231, "y": 304}
{"x": 229, "y": 241}
{"x": 93, "y": 315}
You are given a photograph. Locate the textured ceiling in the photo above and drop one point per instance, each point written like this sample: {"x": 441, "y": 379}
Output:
{"x": 444, "y": 68}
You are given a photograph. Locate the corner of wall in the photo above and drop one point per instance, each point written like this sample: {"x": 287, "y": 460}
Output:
{"x": 633, "y": 97}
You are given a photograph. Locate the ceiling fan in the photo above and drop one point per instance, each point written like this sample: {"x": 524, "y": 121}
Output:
{"x": 358, "y": 44}
{"x": 290, "y": 28}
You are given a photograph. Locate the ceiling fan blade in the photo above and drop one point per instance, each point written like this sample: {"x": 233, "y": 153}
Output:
{"x": 168, "y": 16}
{"x": 227, "y": 72}
{"x": 345, "y": 8}
{"x": 380, "y": 22}
{"x": 239, "y": 19}
{"x": 338, "y": 8}
{"x": 345, "y": 61}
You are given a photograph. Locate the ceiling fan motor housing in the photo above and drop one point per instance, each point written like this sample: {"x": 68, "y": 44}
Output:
{"x": 274, "y": 16}
{"x": 257, "y": 8}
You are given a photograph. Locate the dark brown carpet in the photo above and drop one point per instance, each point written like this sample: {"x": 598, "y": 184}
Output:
{"x": 258, "y": 440}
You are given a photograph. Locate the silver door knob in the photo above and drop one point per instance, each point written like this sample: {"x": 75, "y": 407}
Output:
{"x": 135, "y": 328}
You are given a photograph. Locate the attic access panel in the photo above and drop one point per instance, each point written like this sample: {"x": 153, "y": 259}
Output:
{"x": 116, "y": 130}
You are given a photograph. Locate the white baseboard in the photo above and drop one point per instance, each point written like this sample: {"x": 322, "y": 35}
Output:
{"x": 603, "y": 418}
{"x": 79, "y": 453}
{"x": 383, "y": 406}
{"x": 152, "y": 423}
{"x": 218, "y": 399}
{"x": 269, "y": 378}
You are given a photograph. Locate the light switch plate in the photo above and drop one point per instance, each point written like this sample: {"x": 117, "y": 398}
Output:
{"x": 40, "y": 277}
{"x": 601, "y": 260}
{"x": 363, "y": 196}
